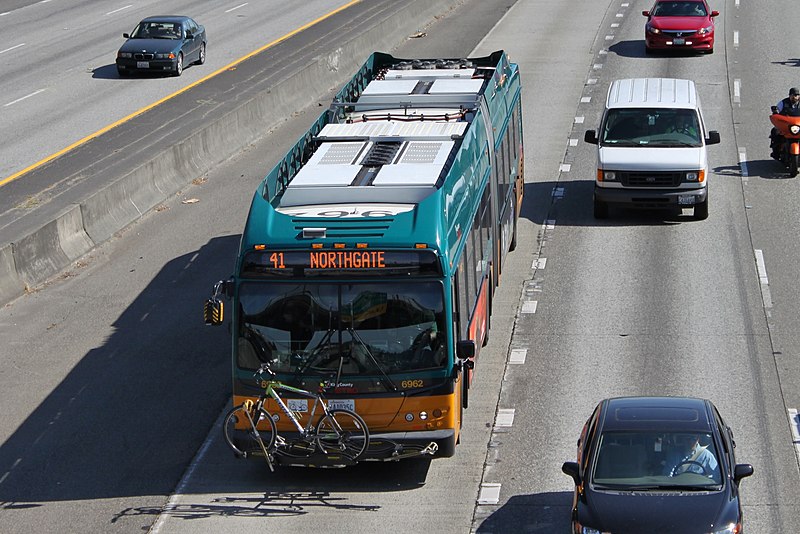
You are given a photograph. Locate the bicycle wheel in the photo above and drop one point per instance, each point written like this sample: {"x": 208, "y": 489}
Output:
{"x": 343, "y": 431}
{"x": 243, "y": 437}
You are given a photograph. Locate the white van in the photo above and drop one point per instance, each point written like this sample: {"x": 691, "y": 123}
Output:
{"x": 651, "y": 147}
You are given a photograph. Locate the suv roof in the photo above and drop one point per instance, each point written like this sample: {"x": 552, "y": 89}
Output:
{"x": 652, "y": 92}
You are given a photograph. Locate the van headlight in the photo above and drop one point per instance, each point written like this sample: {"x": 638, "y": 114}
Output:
{"x": 695, "y": 176}
{"x": 606, "y": 176}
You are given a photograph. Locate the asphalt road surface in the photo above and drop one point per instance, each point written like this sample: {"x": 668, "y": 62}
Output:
{"x": 112, "y": 387}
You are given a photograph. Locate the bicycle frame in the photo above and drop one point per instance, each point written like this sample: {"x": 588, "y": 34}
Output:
{"x": 271, "y": 388}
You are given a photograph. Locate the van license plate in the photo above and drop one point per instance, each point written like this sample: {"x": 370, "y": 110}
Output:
{"x": 679, "y": 41}
{"x": 686, "y": 200}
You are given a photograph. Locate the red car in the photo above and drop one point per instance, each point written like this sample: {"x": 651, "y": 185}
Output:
{"x": 679, "y": 25}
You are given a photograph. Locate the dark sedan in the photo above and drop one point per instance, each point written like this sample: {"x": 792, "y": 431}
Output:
{"x": 162, "y": 44}
{"x": 656, "y": 465}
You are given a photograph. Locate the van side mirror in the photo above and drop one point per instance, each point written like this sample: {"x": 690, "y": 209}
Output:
{"x": 590, "y": 136}
{"x": 741, "y": 471}
{"x": 713, "y": 137}
{"x": 465, "y": 349}
{"x": 571, "y": 469}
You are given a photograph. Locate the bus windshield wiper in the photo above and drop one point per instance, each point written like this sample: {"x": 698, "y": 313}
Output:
{"x": 312, "y": 355}
{"x": 386, "y": 378}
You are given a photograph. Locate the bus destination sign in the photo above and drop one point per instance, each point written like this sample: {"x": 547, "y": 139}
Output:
{"x": 317, "y": 262}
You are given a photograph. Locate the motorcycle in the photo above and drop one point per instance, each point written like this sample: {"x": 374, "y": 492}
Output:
{"x": 788, "y": 149}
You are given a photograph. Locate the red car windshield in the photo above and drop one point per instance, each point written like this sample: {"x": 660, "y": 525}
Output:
{"x": 680, "y": 9}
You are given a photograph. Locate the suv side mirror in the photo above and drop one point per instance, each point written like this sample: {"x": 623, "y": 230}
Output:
{"x": 590, "y": 136}
{"x": 713, "y": 137}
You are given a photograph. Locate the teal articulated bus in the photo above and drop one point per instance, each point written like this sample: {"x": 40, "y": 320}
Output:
{"x": 373, "y": 248}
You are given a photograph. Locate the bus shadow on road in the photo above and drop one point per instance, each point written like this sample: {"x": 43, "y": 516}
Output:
{"x": 536, "y": 513}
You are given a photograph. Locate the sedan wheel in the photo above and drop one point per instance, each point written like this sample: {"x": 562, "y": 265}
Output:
{"x": 179, "y": 65}
{"x": 201, "y": 58}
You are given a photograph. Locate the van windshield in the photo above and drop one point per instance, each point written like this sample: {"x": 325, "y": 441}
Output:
{"x": 651, "y": 127}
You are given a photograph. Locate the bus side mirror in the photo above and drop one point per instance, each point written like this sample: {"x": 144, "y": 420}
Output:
{"x": 590, "y": 136}
{"x": 465, "y": 349}
{"x": 713, "y": 137}
{"x": 214, "y": 308}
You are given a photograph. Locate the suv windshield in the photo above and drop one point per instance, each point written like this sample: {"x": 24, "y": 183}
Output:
{"x": 657, "y": 460}
{"x": 344, "y": 329}
{"x": 666, "y": 127}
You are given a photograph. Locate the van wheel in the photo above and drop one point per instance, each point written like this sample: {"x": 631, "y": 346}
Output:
{"x": 701, "y": 211}
{"x": 600, "y": 209}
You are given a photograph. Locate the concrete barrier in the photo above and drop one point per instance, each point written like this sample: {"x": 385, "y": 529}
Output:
{"x": 11, "y": 286}
{"x": 49, "y": 250}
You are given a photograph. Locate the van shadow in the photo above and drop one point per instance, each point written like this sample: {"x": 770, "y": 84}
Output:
{"x": 537, "y": 513}
{"x": 129, "y": 417}
{"x": 569, "y": 203}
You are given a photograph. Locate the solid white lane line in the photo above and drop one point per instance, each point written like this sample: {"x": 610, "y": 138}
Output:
{"x": 120, "y": 9}
{"x": 12, "y": 48}
{"x": 235, "y": 8}
{"x": 23, "y": 98}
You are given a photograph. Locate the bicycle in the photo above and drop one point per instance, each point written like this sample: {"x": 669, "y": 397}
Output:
{"x": 337, "y": 431}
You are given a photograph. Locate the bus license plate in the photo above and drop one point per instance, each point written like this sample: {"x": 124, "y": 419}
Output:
{"x": 342, "y": 404}
{"x": 679, "y": 41}
{"x": 142, "y": 64}
{"x": 686, "y": 200}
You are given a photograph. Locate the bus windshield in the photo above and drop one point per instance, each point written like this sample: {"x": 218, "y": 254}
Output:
{"x": 342, "y": 329}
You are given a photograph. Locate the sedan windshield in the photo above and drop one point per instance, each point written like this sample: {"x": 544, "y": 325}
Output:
{"x": 657, "y": 460}
{"x": 679, "y": 9}
{"x": 157, "y": 30}
{"x": 651, "y": 127}
{"x": 342, "y": 329}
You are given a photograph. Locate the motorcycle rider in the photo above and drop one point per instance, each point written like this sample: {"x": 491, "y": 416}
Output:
{"x": 788, "y": 106}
